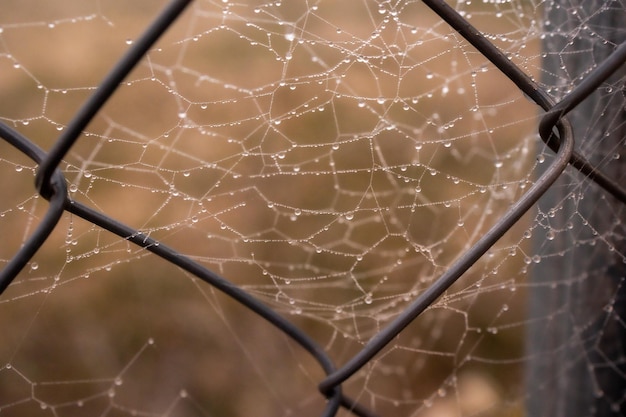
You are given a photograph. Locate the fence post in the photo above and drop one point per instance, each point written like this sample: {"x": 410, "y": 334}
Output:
{"x": 577, "y": 298}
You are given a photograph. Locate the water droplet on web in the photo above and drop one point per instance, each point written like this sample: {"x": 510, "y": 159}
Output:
{"x": 368, "y": 299}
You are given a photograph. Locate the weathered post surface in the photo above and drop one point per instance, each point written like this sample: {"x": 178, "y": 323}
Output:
{"x": 577, "y": 310}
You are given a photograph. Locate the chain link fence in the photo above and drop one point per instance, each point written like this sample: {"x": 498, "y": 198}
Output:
{"x": 554, "y": 128}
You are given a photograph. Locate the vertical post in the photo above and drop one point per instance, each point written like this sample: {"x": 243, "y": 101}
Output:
{"x": 577, "y": 307}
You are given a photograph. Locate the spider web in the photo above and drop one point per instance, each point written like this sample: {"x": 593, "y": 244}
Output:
{"x": 332, "y": 159}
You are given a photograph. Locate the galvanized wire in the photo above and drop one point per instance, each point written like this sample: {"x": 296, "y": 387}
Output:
{"x": 554, "y": 130}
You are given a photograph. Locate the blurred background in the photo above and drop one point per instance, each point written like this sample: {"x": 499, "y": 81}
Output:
{"x": 331, "y": 158}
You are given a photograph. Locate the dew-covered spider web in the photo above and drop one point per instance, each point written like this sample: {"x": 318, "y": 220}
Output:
{"x": 331, "y": 158}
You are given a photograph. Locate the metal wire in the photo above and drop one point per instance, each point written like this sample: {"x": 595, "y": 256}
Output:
{"x": 51, "y": 184}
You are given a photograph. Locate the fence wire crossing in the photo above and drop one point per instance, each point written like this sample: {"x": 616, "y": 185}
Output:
{"x": 554, "y": 129}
